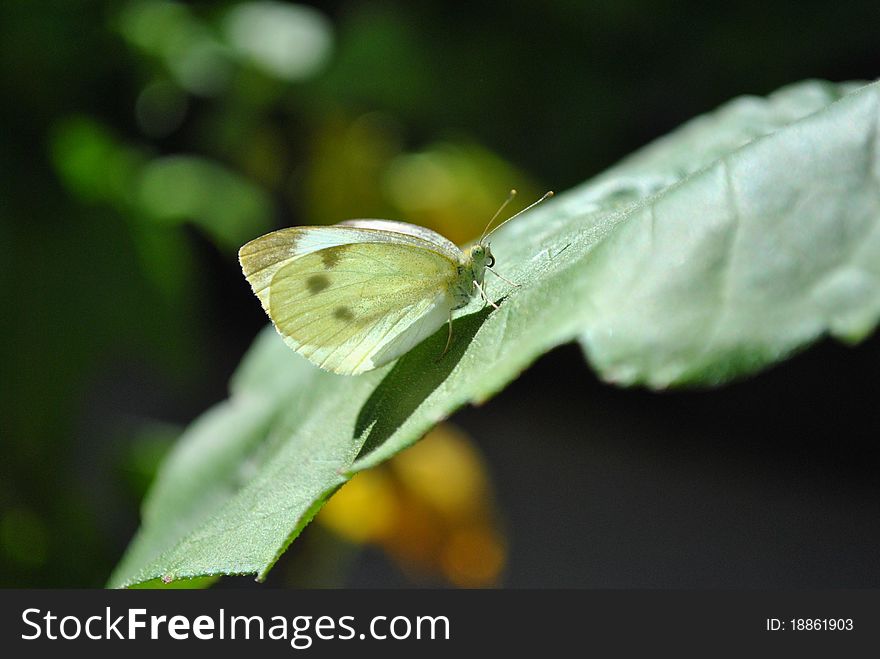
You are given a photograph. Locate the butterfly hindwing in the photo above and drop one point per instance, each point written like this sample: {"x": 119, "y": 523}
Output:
{"x": 353, "y": 307}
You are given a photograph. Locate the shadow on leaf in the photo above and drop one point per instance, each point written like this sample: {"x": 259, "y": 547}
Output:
{"x": 415, "y": 376}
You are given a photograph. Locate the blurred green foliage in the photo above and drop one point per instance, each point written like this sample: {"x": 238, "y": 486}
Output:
{"x": 143, "y": 141}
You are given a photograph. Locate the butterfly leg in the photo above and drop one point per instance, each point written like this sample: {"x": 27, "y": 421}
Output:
{"x": 485, "y": 297}
{"x": 448, "y": 336}
{"x": 504, "y": 279}
{"x": 448, "y": 339}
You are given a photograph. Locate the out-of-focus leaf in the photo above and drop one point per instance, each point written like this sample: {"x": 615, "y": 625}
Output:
{"x": 24, "y": 536}
{"x": 291, "y": 42}
{"x": 187, "y": 188}
{"x": 160, "y": 108}
{"x": 92, "y": 163}
{"x": 710, "y": 254}
{"x": 187, "y": 46}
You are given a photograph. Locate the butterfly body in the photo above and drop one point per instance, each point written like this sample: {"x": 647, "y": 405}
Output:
{"x": 354, "y": 296}
{"x": 472, "y": 268}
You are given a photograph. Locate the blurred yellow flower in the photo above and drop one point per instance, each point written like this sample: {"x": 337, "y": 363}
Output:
{"x": 360, "y": 169}
{"x": 430, "y": 508}
{"x": 365, "y": 510}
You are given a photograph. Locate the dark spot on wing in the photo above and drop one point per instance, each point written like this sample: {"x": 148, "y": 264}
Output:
{"x": 330, "y": 257}
{"x": 343, "y": 314}
{"x": 317, "y": 283}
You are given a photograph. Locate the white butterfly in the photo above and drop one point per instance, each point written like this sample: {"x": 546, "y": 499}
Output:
{"x": 356, "y": 295}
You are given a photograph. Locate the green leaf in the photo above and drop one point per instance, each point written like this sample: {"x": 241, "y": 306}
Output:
{"x": 737, "y": 239}
{"x": 227, "y": 206}
{"x": 757, "y": 248}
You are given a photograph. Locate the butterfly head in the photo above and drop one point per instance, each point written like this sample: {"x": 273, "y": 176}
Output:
{"x": 477, "y": 259}
{"x": 481, "y": 257}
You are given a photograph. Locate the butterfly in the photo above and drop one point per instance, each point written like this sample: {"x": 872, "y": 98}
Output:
{"x": 356, "y": 295}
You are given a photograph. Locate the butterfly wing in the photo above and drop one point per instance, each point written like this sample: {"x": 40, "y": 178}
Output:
{"x": 353, "y": 307}
{"x": 263, "y": 257}
{"x": 435, "y": 241}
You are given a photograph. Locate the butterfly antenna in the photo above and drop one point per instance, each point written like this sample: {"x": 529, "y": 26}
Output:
{"x": 497, "y": 213}
{"x": 547, "y": 195}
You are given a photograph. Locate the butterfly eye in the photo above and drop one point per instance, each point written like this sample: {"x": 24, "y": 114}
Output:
{"x": 490, "y": 261}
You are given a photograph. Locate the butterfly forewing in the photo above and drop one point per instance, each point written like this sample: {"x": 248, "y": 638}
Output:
{"x": 263, "y": 257}
{"x": 353, "y": 307}
{"x": 435, "y": 241}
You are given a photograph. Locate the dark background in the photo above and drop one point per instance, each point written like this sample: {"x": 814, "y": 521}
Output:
{"x": 123, "y": 318}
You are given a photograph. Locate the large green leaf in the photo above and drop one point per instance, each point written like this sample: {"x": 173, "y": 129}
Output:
{"x": 725, "y": 246}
